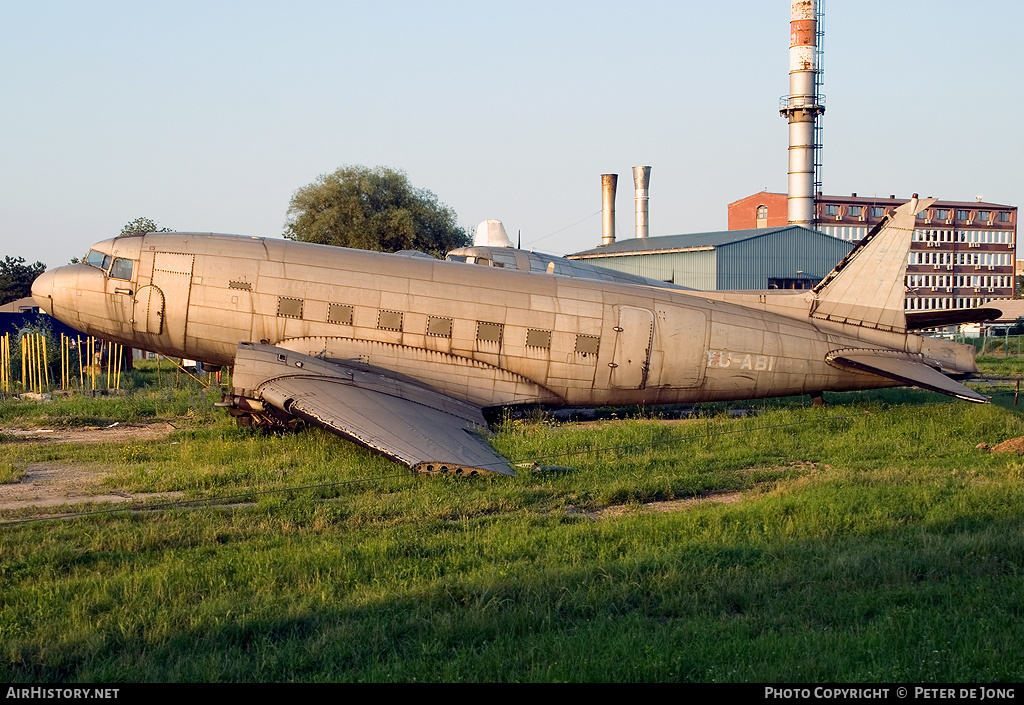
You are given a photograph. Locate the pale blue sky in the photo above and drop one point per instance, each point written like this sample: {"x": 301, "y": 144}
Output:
{"x": 208, "y": 115}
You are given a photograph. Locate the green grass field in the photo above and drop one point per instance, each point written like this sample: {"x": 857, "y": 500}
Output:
{"x": 868, "y": 540}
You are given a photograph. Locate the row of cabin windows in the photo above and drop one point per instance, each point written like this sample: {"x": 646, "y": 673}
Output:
{"x": 437, "y": 326}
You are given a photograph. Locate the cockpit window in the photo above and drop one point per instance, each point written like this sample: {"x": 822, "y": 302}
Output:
{"x": 121, "y": 269}
{"x": 98, "y": 259}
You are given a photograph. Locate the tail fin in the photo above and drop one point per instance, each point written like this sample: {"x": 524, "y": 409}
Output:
{"x": 867, "y": 287}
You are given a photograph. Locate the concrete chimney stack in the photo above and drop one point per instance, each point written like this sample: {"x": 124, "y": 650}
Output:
{"x": 608, "y": 183}
{"x": 803, "y": 108}
{"x": 642, "y": 181}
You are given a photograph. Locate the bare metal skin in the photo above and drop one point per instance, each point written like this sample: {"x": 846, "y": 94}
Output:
{"x": 401, "y": 352}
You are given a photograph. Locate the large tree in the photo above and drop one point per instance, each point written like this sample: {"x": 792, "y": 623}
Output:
{"x": 16, "y": 278}
{"x": 141, "y": 226}
{"x": 372, "y": 209}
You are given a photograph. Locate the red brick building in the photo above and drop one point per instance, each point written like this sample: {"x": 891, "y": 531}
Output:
{"x": 962, "y": 254}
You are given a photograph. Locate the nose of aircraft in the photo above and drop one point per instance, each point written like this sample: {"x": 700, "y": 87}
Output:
{"x": 42, "y": 291}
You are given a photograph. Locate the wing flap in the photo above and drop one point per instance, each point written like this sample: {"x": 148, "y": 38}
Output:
{"x": 400, "y": 418}
{"x": 904, "y": 368}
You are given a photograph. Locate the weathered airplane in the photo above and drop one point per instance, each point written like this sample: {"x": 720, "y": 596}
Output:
{"x": 402, "y": 353}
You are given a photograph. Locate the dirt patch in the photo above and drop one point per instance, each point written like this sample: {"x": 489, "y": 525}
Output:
{"x": 671, "y": 505}
{"x": 55, "y": 484}
{"x": 1013, "y": 445}
{"x": 114, "y": 433}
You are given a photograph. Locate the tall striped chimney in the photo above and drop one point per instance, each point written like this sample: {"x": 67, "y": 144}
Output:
{"x": 802, "y": 107}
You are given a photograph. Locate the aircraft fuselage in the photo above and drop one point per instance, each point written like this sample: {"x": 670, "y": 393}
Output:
{"x": 485, "y": 335}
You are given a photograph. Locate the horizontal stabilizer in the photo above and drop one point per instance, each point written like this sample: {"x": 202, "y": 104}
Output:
{"x": 396, "y": 416}
{"x": 903, "y": 367}
{"x": 916, "y": 320}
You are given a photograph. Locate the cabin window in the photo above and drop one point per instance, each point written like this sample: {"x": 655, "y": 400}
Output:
{"x": 538, "y": 338}
{"x": 488, "y": 332}
{"x": 439, "y": 327}
{"x": 121, "y": 269}
{"x": 98, "y": 259}
{"x": 288, "y": 307}
{"x": 587, "y": 344}
{"x": 389, "y": 320}
{"x": 244, "y": 286}
{"x": 340, "y": 314}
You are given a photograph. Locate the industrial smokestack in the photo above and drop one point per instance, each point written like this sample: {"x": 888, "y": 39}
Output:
{"x": 641, "y": 180}
{"x": 802, "y": 108}
{"x": 608, "y": 183}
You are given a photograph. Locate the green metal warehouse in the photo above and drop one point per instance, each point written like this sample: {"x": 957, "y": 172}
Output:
{"x": 789, "y": 257}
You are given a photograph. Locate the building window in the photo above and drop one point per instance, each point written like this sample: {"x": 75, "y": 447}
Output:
{"x": 963, "y": 215}
{"x": 942, "y": 213}
{"x": 1004, "y": 216}
{"x": 762, "y": 212}
{"x": 501, "y": 259}
{"x": 985, "y": 215}
{"x": 831, "y": 209}
{"x": 854, "y": 211}
{"x": 877, "y": 211}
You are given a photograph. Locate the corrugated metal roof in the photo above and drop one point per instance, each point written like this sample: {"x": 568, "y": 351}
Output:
{"x": 686, "y": 243}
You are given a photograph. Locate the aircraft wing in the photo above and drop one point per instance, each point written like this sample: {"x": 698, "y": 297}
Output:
{"x": 904, "y": 368}
{"x": 399, "y": 417}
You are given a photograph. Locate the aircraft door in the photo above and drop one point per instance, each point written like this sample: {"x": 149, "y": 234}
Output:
{"x": 632, "y": 354}
{"x": 149, "y": 311}
{"x": 680, "y": 344}
{"x": 167, "y": 301}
